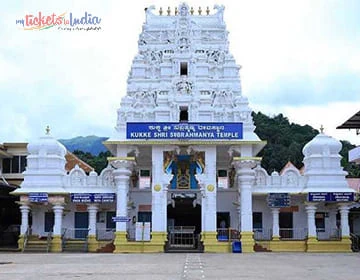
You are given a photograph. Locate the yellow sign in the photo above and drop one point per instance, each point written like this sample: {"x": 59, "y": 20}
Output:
{"x": 210, "y": 188}
{"x": 157, "y": 188}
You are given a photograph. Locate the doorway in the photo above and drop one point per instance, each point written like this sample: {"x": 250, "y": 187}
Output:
{"x": 184, "y": 224}
{"x": 81, "y": 225}
{"x": 286, "y": 224}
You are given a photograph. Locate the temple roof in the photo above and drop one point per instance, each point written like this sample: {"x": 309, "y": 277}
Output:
{"x": 72, "y": 160}
{"x": 353, "y": 122}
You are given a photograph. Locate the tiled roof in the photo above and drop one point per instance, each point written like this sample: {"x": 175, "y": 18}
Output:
{"x": 354, "y": 183}
{"x": 72, "y": 160}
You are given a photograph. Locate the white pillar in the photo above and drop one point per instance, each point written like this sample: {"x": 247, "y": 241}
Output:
{"x": 311, "y": 209}
{"x": 122, "y": 174}
{"x": 344, "y": 215}
{"x": 275, "y": 225}
{"x": 58, "y": 211}
{"x": 157, "y": 191}
{"x": 92, "y": 209}
{"x": 246, "y": 178}
{"x": 208, "y": 205}
{"x": 25, "y": 210}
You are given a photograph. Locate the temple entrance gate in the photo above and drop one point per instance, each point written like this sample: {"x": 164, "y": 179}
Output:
{"x": 184, "y": 223}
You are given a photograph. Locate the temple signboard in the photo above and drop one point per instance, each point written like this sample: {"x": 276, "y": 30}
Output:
{"x": 185, "y": 130}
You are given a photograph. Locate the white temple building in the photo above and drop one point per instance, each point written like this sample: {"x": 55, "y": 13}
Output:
{"x": 185, "y": 173}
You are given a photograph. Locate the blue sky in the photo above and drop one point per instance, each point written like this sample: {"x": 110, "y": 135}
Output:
{"x": 299, "y": 58}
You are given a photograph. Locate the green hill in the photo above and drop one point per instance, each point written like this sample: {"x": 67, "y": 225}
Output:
{"x": 89, "y": 144}
{"x": 286, "y": 140}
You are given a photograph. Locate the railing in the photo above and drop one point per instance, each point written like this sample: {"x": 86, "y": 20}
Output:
{"x": 105, "y": 234}
{"x": 49, "y": 238}
{"x": 262, "y": 234}
{"x": 182, "y": 236}
{"x": 329, "y": 234}
{"x": 63, "y": 240}
{"x": 355, "y": 242}
{"x": 227, "y": 234}
{"x": 77, "y": 234}
{"x": 293, "y": 233}
{"x": 26, "y": 237}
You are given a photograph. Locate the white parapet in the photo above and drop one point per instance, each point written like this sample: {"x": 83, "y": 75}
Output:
{"x": 354, "y": 155}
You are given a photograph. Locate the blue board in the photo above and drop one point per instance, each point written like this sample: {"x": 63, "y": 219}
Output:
{"x": 330, "y": 196}
{"x": 165, "y": 130}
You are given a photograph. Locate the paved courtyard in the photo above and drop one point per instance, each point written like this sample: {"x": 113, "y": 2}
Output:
{"x": 179, "y": 266}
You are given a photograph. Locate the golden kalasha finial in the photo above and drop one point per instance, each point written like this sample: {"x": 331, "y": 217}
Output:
{"x": 47, "y": 130}
{"x": 160, "y": 11}
{"x": 207, "y": 10}
{"x": 321, "y": 129}
{"x": 168, "y": 11}
{"x": 192, "y": 11}
{"x": 176, "y": 11}
{"x": 199, "y": 11}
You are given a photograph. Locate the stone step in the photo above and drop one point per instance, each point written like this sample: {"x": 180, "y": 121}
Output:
{"x": 74, "y": 246}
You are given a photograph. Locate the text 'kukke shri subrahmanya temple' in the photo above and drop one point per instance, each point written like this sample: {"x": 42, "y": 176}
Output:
{"x": 184, "y": 173}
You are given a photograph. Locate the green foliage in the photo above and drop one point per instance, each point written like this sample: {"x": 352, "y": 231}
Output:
{"x": 351, "y": 168}
{"x": 99, "y": 162}
{"x": 286, "y": 140}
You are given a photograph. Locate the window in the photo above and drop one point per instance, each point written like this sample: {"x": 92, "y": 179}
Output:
{"x": 183, "y": 69}
{"x": 222, "y": 173}
{"x": 49, "y": 221}
{"x": 144, "y": 217}
{"x": 184, "y": 115}
{"x": 6, "y": 165}
{"x": 320, "y": 221}
{"x": 144, "y": 173}
{"x": 109, "y": 222}
{"x": 257, "y": 220}
{"x": 16, "y": 164}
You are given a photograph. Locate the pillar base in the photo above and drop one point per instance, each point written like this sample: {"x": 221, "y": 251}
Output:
{"x": 212, "y": 245}
{"x": 155, "y": 245}
{"x": 93, "y": 244}
{"x": 56, "y": 244}
{"x": 275, "y": 238}
{"x": 120, "y": 241}
{"x": 324, "y": 246}
{"x": 21, "y": 242}
{"x": 247, "y": 241}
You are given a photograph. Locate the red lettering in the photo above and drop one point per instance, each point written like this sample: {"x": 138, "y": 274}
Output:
{"x": 53, "y": 18}
{"x": 49, "y": 20}
{"x": 58, "y": 20}
{"x": 28, "y": 20}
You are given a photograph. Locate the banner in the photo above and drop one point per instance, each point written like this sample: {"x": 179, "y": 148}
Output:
{"x": 162, "y": 130}
{"x": 92, "y": 197}
{"x": 330, "y": 197}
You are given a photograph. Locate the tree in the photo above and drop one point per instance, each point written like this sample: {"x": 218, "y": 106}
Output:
{"x": 286, "y": 140}
{"x": 99, "y": 162}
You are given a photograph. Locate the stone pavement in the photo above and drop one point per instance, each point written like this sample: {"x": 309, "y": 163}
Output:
{"x": 294, "y": 266}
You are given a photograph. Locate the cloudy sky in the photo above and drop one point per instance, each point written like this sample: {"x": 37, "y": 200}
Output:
{"x": 299, "y": 58}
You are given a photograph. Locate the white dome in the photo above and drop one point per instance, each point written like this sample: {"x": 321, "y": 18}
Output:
{"x": 322, "y": 144}
{"x": 47, "y": 145}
